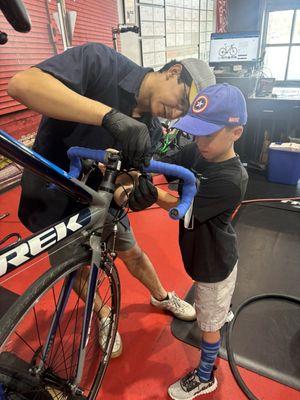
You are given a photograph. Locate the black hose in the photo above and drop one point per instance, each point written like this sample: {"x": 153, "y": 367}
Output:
{"x": 229, "y": 330}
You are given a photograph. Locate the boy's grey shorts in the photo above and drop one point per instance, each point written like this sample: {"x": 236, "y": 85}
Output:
{"x": 212, "y": 302}
{"x": 61, "y": 252}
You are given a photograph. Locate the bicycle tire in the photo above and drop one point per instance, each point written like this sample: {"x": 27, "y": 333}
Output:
{"x": 14, "y": 323}
{"x": 222, "y": 52}
{"x": 233, "y": 51}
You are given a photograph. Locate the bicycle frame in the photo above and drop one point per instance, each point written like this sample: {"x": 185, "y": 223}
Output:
{"x": 23, "y": 251}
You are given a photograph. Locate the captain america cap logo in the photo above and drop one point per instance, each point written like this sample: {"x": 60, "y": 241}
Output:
{"x": 200, "y": 104}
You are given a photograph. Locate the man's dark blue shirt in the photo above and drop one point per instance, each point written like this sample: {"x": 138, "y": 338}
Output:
{"x": 99, "y": 73}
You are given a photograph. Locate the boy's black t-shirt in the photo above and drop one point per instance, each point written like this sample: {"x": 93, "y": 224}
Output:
{"x": 209, "y": 248}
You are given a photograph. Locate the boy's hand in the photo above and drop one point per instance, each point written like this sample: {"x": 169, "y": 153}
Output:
{"x": 123, "y": 191}
{"x": 133, "y": 135}
{"x": 145, "y": 194}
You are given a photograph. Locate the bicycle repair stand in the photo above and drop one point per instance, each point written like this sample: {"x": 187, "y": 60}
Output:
{"x": 122, "y": 29}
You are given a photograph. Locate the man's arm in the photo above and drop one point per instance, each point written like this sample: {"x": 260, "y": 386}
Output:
{"x": 59, "y": 88}
{"x": 45, "y": 94}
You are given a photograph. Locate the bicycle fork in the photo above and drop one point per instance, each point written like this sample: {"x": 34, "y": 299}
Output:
{"x": 95, "y": 244}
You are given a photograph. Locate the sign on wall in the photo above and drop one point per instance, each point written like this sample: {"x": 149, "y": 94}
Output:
{"x": 129, "y": 12}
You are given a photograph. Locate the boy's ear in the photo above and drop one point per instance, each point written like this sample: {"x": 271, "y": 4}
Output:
{"x": 237, "y": 132}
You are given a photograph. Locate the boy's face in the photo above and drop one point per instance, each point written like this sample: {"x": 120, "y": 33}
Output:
{"x": 170, "y": 97}
{"x": 218, "y": 146}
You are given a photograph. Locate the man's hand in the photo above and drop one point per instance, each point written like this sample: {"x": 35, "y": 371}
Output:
{"x": 133, "y": 135}
{"x": 144, "y": 194}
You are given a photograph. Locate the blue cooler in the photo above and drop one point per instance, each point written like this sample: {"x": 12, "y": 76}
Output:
{"x": 284, "y": 163}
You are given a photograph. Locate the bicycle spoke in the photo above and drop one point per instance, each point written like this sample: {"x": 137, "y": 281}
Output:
{"x": 38, "y": 332}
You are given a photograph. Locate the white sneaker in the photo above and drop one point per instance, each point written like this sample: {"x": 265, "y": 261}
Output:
{"x": 230, "y": 316}
{"x": 190, "y": 386}
{"x": 103, "y": 333}
{"x": 178, "y": 307}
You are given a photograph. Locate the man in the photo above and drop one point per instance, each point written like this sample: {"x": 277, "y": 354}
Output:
{"x": 94, "y": 97}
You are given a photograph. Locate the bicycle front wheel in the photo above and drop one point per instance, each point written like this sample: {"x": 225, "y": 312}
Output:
{"x": 222, "y": 52}
{"x": 25, "y": 328}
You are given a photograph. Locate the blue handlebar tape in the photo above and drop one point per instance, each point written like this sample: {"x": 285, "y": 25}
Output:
{"x": 189, "y": 189}
{"x": 189, "y": 181}
{"x": 76, "y": 153}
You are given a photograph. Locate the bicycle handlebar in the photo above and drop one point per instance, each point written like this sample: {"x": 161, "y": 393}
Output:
{"x": 189, "y": 181}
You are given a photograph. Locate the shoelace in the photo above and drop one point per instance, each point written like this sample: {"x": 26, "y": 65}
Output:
{"x": 177, "y": 302}
{"x": 189, "y": 382}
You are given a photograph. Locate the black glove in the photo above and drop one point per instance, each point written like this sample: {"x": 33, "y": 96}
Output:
{"x": 144, "y": 194}
{"x": 133, "y": 136}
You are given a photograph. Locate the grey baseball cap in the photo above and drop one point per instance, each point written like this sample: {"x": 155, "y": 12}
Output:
{"x": 201, "y": 74}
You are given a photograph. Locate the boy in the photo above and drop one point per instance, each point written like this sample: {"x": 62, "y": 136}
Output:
{"x": 207, "y": 239}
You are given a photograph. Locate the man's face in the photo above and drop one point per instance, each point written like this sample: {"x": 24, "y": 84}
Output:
{"x": 217, "y": 146}
{"x": 170, "y": 98}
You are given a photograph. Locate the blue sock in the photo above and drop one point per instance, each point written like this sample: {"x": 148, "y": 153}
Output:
{"x": 2, "y": 392}
{"x": 209, "y": 352}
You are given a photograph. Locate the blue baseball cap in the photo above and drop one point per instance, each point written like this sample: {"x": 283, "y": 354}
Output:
{"x": 214, "y": 108}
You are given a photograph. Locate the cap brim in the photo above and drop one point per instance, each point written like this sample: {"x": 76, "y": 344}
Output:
{"x": 196, "y": 126}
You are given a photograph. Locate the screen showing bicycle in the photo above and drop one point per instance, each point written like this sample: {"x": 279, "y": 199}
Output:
{"x": 234, "y": 48}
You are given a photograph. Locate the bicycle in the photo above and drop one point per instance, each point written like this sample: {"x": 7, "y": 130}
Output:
{"x": 48, "y": 337}
{"x": 231, "y": 50}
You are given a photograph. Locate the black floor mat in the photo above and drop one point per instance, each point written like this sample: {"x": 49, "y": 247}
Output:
{"x": 266, "y": 336}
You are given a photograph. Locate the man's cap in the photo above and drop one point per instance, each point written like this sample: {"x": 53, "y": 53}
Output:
{"x": 214, "y": 108}
{"x": 201, "y": 74}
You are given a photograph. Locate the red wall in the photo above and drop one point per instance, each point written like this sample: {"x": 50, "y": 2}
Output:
{"x": 95, "y": 19}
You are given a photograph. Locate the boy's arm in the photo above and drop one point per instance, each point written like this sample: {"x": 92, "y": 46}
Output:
{"x": 214, "y": 197}
{"x": 166, "y": 200}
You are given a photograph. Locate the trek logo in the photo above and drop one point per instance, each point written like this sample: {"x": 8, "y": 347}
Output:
{"x": 39, "y": 243}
